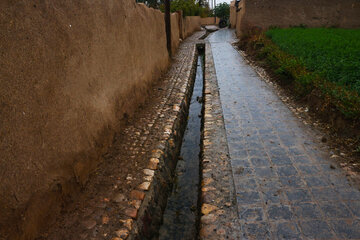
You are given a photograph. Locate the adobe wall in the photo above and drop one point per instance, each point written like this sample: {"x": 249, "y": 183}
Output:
{"x": 190, "y": 25}
{"x": 284, "y": 13}
{"x": 240, "y": 19}
{"x": 70, "y": 71}
{"x": 232, "y": 14}
{"x": 175, "y": 32}
{"x": 209, "y": 21}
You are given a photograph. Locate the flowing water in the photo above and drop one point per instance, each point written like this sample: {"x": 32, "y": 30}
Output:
{"x": 180, "y": 219}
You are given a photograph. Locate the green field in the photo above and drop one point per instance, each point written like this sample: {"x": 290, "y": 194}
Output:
{"x": 332, "y": 53}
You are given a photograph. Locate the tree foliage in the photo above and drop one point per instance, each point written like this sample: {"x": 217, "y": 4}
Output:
{"x": 222, "y": 11}
{"x": 191, "y": 7}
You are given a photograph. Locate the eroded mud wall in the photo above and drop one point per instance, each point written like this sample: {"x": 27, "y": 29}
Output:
{"x": 190, "y": 25}
{"x": 232, "y": 14}
{"x": 70, "y": 70}
{"x": 175, "y": 32}
{"x": 284, "y": 13}
{"x": 240, "y": 19}
{"x": 209, "y": 21}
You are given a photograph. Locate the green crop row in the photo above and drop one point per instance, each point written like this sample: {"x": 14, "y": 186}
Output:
{"x": 330, "y": 52}
{"x": 311, "y": 62}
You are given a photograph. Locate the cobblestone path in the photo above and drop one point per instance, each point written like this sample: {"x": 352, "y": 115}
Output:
{"x": 285, "y": 187}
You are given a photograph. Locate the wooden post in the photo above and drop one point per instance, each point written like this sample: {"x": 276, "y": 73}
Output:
{"x": 168, "y": 26}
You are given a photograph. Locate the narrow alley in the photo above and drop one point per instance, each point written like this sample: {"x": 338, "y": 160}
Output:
{"x": 179, "y": 120}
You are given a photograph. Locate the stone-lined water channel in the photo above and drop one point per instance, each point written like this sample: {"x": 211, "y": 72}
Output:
{"x": 180, "y": 219}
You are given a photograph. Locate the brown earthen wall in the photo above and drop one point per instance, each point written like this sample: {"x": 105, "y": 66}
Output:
{"x": 232, "y": 15}
{"x": 175, "y": 32}
{"x": 190, "y": 25}
{"x": 209, "y": 21}
{"x": 239, "y": 18}
{"x": 284, "y": 13}
{"x": 70, "y": 70}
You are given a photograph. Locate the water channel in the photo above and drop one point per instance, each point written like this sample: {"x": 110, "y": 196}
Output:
{"x": 180, "y": 219}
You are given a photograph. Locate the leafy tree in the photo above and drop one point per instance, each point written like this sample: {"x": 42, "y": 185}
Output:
{"x": 191, "y": 7}
{"x": 222, "y": 11}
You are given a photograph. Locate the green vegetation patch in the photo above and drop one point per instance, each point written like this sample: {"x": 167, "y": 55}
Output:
{"x": 322, "y": 62}
{"x": 332, "y": 53}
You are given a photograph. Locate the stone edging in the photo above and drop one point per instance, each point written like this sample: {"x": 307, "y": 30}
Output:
{"x": 150, "y": 197}
{"x": 218, "y": 200}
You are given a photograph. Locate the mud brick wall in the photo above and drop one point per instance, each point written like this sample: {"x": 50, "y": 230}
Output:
{"x": 190, "y": 24}
{"x": 284, "y": 13}
{"x": 240, "y": 19}
{"x": 175, "y": 32}
{"x": 209, "y": 21}
{"x": 232, "y": 15}
{"x": 71, "y": 72}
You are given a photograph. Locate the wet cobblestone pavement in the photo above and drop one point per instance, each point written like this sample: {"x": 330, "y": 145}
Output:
{"x": 218, "y": 202}
{"x": 287, "y": 186}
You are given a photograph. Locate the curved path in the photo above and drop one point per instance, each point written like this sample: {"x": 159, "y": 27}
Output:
{"x": 285, "y": 187}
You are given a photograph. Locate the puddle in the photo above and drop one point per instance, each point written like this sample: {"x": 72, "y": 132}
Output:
{"x": 180, "y": 219}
